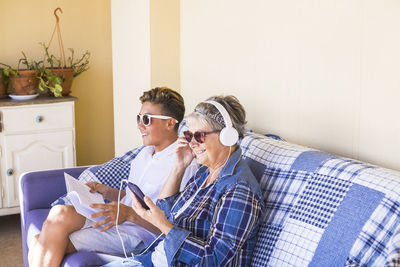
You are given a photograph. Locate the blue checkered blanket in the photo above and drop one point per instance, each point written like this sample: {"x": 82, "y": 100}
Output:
{"x": 322, "y": 209}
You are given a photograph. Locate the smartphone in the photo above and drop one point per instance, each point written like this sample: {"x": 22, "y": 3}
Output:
{"x": 138, "y": 193}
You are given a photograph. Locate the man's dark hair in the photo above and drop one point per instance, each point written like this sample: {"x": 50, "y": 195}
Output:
{"x": 171, "y": 101}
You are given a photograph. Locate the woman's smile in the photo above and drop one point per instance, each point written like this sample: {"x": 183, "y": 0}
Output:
{"x": 198, "y": 151}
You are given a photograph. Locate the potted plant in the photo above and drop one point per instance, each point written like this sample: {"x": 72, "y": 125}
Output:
{"x": 3, "y": 84}
{"x": 57, "y": 78}
{"x": 23, "y": 81}
{"x": 4, "y": 79}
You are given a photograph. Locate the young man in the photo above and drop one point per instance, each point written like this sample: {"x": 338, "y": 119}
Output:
{"x": 65, "y": 231}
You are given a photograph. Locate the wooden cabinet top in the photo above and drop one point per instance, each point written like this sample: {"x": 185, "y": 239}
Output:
{"x": 5, "y": 102}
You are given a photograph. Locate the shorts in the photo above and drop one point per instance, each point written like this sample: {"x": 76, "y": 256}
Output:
{"x": 92, "y": 239}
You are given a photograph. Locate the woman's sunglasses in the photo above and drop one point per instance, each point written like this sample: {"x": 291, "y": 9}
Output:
{"x": 146, "y": 118}
{"x": 198, "y": 136}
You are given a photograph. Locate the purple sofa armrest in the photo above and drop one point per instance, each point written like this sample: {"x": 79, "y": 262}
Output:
{"x": 37, "y": 190}
{"x": 34, "y": 184}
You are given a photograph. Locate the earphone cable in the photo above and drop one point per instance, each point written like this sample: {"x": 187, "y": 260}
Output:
{"x": 116, "y": 220}
{"x": 119, "y": 235}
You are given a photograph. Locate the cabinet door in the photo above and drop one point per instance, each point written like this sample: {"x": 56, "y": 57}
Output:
{"x": 32, "y": 152}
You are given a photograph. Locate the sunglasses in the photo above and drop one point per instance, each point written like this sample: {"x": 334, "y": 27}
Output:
{"x": 198, "y": 136}
{"x": 146, "y": 118}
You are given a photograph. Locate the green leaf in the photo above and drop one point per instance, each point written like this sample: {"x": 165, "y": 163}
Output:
{"x": 57, "y": 90}
{"x": 41, "y": 87}
{"x": 58, "y": 80}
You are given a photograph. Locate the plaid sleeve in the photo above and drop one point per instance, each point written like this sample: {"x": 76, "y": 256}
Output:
{"x": 237, "y": 214}
{"x": 165, "y": 205}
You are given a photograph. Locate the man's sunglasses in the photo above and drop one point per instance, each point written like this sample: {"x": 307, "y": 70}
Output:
{"x": 146, "y": 118}
{"x": 198, "y": 136}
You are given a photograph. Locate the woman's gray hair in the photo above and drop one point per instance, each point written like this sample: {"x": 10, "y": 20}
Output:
{"x": 210, "y": 114}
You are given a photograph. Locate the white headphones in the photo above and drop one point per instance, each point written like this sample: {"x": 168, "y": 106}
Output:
{"x": 228, "y": 135}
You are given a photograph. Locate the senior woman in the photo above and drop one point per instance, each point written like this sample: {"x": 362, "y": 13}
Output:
{"x": 214, "y": 221}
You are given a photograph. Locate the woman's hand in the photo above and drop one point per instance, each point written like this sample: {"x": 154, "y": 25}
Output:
{"x": 109, "y": 211}
{"x": 106, "y": 191}
{"x": 183, "y": 153}
{"x": 154, "y": 215}
{"x": 182, "y": 158}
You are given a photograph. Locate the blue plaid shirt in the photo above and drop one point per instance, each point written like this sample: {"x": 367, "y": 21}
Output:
{"x": 220, "y": 227}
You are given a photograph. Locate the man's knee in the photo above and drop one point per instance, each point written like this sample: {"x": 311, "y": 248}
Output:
{"x": 62, "y": 216}
{"x": 61, "y": 213}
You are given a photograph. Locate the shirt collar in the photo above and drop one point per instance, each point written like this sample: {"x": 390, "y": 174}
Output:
{"x": 163, "y": 153}
{"x": 230, "y": 165}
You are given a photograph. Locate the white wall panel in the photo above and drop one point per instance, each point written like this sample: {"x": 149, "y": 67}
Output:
{"x": 319, "y": 73}
{"x": 131, "y": 68}
{"x": 379, "y": 139}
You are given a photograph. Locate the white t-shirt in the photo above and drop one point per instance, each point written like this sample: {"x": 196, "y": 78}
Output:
{"x": 149, "y": 171}
{"x": 158, "y": 257}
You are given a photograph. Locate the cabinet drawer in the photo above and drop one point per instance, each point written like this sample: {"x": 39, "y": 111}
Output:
{"x": 33, "y": 118}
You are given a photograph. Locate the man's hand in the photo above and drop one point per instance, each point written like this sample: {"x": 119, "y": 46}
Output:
{"x": 97, "y": 187}
{"x": 109, "y": 211}
{"x": 106, "y": 191}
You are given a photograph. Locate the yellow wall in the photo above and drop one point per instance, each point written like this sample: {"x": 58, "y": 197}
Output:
{"x": 164, "y": 43}
{"x": 85, "y": 25}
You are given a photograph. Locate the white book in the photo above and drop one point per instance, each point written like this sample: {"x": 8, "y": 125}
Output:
{"x": 81, "y": 197}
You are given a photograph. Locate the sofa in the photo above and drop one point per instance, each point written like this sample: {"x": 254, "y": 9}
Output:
{"x": 321, "y": 209}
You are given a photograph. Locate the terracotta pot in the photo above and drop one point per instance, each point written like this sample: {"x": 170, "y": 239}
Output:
{"x": 3, "y": 88}
{"x": 25, "y": 83}
{"x": 67, "y": 75}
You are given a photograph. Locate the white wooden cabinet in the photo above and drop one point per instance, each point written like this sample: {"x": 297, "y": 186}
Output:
{"x": 34, "y": 136}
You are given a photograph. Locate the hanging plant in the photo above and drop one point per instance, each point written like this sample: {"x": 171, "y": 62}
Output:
{"x": 57, "y": 78}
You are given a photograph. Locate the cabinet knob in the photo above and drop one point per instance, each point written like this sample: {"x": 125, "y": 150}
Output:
{"x": 10, "y": 172}
{"x": 39, "y": 119}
